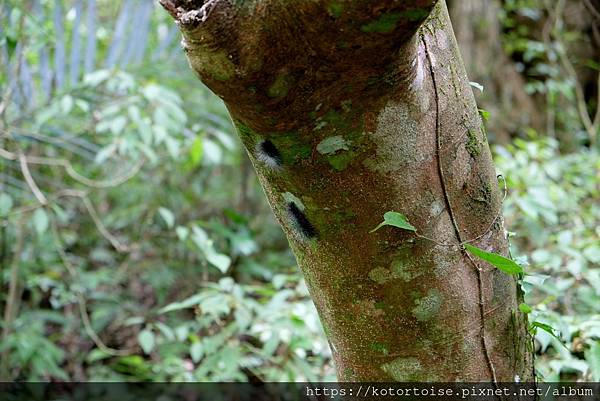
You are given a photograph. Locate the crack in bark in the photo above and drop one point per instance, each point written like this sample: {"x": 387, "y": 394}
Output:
{"x": 451, "y": 213}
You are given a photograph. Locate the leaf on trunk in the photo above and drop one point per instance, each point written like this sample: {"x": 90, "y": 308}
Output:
{"x": 395, "y": 219}
{"x": 525, "y": 308}
{"x": 502, "y": 263}
{"x": 548, "y": 329}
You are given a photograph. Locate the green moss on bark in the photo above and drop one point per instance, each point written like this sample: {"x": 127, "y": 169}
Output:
{"x": 473, "y": 144}
{"x": 429, "y": 306}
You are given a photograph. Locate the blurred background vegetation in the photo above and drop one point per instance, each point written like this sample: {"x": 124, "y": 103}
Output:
{"x": 136, "y": 243}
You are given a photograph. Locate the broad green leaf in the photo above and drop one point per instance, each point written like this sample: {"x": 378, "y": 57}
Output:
{"x": 196, "y": 151}
{"x": 196, "y": 351}
{"x": 395, "y": 219}
{"x": 66, "y": 104}
{"x": 11, "y": 45}
{"x": 146, "y": 340}
{"x": 502, "y": 263}
{"x": 485, "y": 115}
{"x": 40, "y": 221}
{"x": 592, "y": 356}
{"x": 547, "y": 328}
{"x": 167, "y": 216}
{"x": 218, "y": 260}
{"x": 186, "y": 303}
{"x": 96, "y": 355}
{"x": 165, "y": 331}
{"x": 525, "y": 308}
{"x": 182, "y": 232}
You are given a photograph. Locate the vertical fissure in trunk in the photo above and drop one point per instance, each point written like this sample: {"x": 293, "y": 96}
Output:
{"x": 453, "y": 217}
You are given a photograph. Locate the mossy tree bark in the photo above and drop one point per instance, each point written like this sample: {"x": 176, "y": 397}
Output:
{"x": 349, "y": 109}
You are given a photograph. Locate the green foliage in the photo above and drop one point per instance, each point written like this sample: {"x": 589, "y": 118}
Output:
{"x": 499, "y": 261}
{"x": 395, "y": 219}
{"x": 157, "y": 258}
{"x": 552, "y": 212}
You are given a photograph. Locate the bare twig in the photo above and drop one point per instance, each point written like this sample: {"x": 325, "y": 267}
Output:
{"x": 101, "y": 227}
{"x": 30, "y": 181}
{"x": 63, "y": 193}
{"x": 70, "y": 170}
{"x": 591, "y": 8}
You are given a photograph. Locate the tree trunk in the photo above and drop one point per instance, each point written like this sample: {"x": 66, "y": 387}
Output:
{"x": 350, "y": 109}
{"x": 478, "y": 33}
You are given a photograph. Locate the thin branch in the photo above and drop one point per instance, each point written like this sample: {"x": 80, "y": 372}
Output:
{"x": 30, "y": 181}
{"x": 64, "y": 193}
{"x": 70, "y": 170}
{"x": 119, "y": 247}
{"x": 592, "y": 8}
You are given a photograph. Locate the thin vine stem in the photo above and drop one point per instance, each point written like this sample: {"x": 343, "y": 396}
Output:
{"x": 453, "y": 218}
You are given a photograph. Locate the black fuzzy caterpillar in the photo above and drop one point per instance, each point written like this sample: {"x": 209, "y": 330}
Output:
{"x": 268, "y": 154}
{"x": 300, "y": 222}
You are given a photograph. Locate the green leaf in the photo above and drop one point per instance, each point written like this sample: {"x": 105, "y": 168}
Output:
{"x": 395, "y": 219}
{"x": 11, "y": 45}
{"x": 196, "y": 151}
{"x": 485, "y": 115}
{"x": 182, "y": 232}
{"x": 196, "y": 351}
{"x": 167, "y": 216}
{"x": 502, "y": 263}
{"x": 592, "y": 356}
{"x": 96, "y": 355}
{"x": 525, "y": 308}
{"x": 146, "y": 340}
{"x": 40, "y": 221}
{"x": 218, "y": 260}
{"x": 548, "y": 329}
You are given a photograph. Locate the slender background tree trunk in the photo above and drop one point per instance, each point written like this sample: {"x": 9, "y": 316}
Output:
{"x": 349, "y": 110}
{"x": 477, "y": 28}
